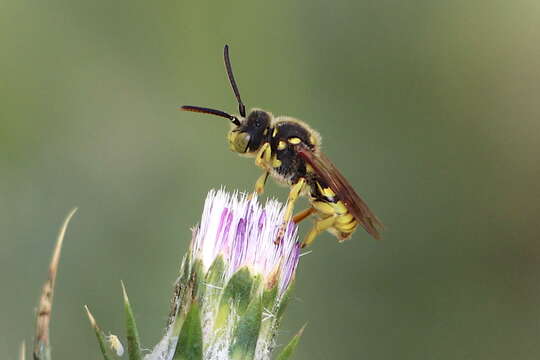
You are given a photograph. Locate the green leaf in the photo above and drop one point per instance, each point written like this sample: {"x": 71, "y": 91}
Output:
{"x": 236, "y": 293}
{"x": 246, "y": 333}
{"x": 269, "y": 297}
{"x": 269, "y": 307}
{"x": 288, "y": 350}
{"x": 197, "y": 279}
{"x": 214, "y": 281}
{"x": 190, "y": 343}
{"x": 285, "y": 299}
{"x": 257, "y": 281}
{"x": 193, "y": 289}
{"x": 185, "y": 268}
{"x": 99, "y": 335}
{"x": 216, "y": 273}
{"x": 176, "y": 314}
{"x": 238, "y": 289}
{"x": 133, "y": 342}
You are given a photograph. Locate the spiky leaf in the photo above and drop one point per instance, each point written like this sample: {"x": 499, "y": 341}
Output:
{"x": 99, "y": 334}
{"x": 288, "y": 350}
{"x": 133, "y": 342}
{"x": 190, "y": 344}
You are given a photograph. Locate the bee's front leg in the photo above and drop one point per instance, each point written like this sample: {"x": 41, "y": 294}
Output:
{"x": 264, "y": 155}
{"x": 259, "y": 185}
{"x": 295, "y": 192}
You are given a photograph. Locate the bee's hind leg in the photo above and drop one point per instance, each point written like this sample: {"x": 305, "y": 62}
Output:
{"x": 320, "y": 226}
{"x": 303, "y": 214}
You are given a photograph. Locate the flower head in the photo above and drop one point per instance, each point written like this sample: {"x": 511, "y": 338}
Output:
{"x": 244, "y": 234}
{"x": 234, "y": 283}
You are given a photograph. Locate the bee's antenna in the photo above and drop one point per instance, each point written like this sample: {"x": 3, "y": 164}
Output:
{"x": 204, "y": 110}
{"x": 241, "y": 106}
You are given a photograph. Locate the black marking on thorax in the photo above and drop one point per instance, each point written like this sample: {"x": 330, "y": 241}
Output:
{"x": 291, "y": 129}
{"x": 292, "y": 166}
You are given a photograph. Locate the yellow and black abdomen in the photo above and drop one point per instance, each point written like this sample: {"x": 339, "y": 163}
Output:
{"x": 333, "y": 214}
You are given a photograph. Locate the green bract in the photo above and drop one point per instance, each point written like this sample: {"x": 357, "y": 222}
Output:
{"x": 233, "y": 286}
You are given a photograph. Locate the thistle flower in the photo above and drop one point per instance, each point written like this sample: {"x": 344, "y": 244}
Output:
{"x": 234, "y": 283}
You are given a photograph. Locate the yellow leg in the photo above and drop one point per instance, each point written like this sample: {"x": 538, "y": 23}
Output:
{"x": 302, "y": 215}
{"x": 261, "y": 181}
{"x": 264, "y": 155}
{"x": 320, "y": 226}
{"x": 295, "y": 191}
{"x": 259, "y": 185}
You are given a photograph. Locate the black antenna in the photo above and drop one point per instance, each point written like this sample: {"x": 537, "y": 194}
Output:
{"x": 204, "y": 110}
{"x": 241, "y": 106}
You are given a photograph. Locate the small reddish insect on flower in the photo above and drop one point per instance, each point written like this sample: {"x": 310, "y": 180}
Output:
{"x": 289, "y": 150}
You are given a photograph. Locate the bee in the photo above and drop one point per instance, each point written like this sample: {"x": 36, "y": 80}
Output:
{"x": 289, "y": 150}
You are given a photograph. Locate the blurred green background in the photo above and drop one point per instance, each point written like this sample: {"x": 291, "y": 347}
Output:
{"x": 429, "y": 107}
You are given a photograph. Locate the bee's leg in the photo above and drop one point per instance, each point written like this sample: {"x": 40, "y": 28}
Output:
{"x": 264, "y": 155}
{"x": 259, "y": 185}
{"x": 261, "y": 181}
{"x": 296, "y": 189}
{"x": 320, "y": 226}
{"x": 302, "y": 215}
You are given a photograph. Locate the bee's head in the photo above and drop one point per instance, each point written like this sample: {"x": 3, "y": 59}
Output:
{"x": 250, "y": 134}
{"x": 247, "y": 132}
